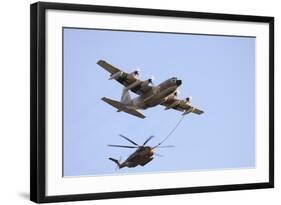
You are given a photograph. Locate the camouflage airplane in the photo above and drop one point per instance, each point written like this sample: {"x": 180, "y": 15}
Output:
{"x": 149, "y": 95}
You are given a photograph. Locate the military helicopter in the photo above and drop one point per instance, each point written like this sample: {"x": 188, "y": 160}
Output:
{"x": 142, "y": 156}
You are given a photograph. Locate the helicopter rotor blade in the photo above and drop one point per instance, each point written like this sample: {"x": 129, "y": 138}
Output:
{"x": 126, "y": 138}
{"x": 163, "y": 146}
{"x": 148, "y": 139}
{"x": 123, "y": 146}
{"x": 159, "y": 155}
{"x": 166, "y": 146}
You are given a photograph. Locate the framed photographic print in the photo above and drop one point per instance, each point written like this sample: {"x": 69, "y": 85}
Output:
{"x": 129, "y": 102}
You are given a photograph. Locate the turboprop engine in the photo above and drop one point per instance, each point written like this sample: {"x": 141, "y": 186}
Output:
{"x": 134, "y": 75}
{"x": 138, "y": 82}
{"x": 116, "y": 75}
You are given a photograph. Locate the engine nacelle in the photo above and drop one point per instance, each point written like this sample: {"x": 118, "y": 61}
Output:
{"x": 116, "y": 75}
{"x": 146, "y": 83}
{"x": 138, "y": 82}
{"x": 134, "y": 74}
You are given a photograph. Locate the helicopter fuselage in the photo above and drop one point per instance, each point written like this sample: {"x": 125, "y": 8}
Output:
{"x": 141, "y": 157}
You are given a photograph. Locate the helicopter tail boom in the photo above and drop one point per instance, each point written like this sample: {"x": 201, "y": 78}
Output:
{"x": 115, "y": 161}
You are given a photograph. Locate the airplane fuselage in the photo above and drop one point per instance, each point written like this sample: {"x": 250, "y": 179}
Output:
{"x": 156, "y": 95}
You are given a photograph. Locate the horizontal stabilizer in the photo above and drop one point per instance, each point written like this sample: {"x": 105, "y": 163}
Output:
{"x": 197, "y": 111}
{"x": 194, "y": 110}
{"x": 121, "y": 107}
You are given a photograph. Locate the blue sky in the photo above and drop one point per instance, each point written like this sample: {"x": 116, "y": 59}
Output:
{"x": 217, "y": 71}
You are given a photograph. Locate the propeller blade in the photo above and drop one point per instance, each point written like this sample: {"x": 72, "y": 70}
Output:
{"x": 163, "y": 146}
{"x": 137, "y": 73}
{"x": 126, "y": 138}
{"x": 148, "y": 139}
{"x": 166, "y": 146}
{"x": 151, "y": 79}
{"x": 158, "y": 155}
{"x": 123, "y": 146}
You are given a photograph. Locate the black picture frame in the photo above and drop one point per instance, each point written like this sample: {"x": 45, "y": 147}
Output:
{"x": 38, "y": 101}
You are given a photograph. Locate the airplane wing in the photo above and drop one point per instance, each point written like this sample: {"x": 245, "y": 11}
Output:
{"x": 121, "y": 107}
{"x": 181, "y": 105}
{"x": 132, "y": 83}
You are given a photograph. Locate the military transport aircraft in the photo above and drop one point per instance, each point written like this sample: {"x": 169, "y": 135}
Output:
{"x": 149, "y": 95}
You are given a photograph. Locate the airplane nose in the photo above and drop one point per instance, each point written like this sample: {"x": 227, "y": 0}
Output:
{"x": 178, "y": 82}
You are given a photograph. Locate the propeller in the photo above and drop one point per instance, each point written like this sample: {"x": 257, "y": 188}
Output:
{"x": 163, "y": 146}
{"x": 137, "y": 72}
{"x": 151, "y": 79}
{"x": 166, "y": 146}
{"x": 188, "y": 99}
{"x": 158, "y": 155}
{"x": 126, "y": 138}
{"x": 137, "y": 146}
{"x": 148, "y": 139}
{"x": 123, "y": 146}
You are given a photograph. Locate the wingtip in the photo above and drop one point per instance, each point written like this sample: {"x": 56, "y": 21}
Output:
{"x": 104, "y": 99}
{"x": 142, "y": 117}
{"x": 100, "y": 61}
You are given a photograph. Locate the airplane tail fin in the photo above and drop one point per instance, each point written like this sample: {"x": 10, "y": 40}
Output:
{"x": 115, "y": 161}
{"x": 122, "y": 107}
{"x": 126, "y": 98}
